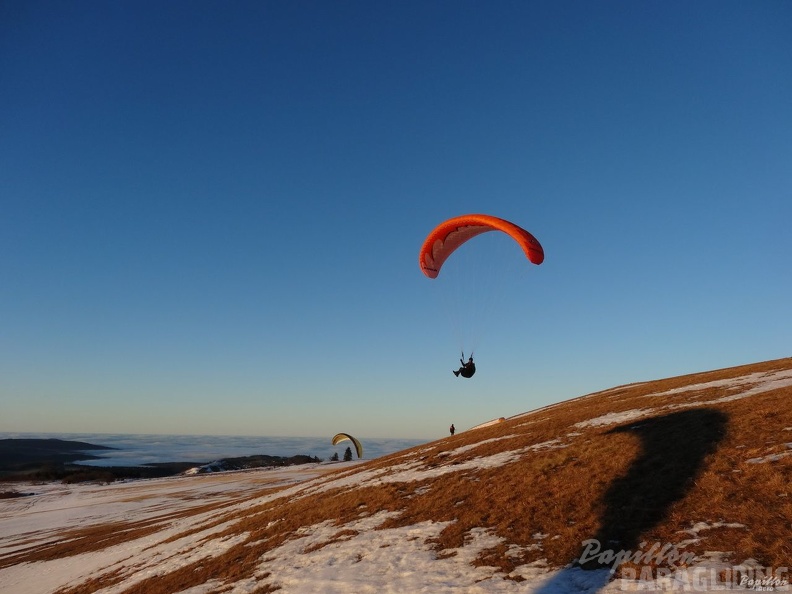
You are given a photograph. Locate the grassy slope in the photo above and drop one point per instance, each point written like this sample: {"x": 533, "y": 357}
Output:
{"x": 685, "y": 460}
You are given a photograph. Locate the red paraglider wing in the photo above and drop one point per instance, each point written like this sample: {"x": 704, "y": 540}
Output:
{"x": 450, "y": 234}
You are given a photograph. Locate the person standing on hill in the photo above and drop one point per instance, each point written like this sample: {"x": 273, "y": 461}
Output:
{"x": 452, "y": 429}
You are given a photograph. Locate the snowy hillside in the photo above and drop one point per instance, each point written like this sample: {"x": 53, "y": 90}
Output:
{"x": 682, "y": 483}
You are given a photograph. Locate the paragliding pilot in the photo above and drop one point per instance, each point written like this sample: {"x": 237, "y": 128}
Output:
{"x": 467, "y": 369}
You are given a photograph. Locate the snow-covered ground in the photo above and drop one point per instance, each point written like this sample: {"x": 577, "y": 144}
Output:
{"x": 368, "y": 560}
{"x": 375, "y": 561}
{"x": 56, "y": 509}
{"x": 361, "y": 556}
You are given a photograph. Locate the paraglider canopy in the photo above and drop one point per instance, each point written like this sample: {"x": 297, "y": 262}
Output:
{"x": 339, "y": 437}
{"x": 449, "y": 235}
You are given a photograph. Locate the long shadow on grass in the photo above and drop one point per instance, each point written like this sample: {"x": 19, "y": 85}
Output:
{"x": 673, "y": 449}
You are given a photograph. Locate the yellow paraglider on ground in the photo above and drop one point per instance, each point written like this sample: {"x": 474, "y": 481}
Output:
{"x": 343, "y": 436}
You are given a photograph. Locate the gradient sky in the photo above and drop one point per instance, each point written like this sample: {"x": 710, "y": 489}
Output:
{"x": 210, "y": 212}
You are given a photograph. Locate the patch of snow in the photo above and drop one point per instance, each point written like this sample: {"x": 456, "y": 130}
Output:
{"x": 483, "y": 462}
{"x": 769, "y": 458}
{"x": 699, "y": 526}
{"x": 207, "y": 588}
{"x": 539, "y": 536}
{"x": 473, "y": 446}
{"x": 572, "y": 580}
{"x": 418, "y": 470}
{"x": 614, "y": 418}
{"x": 761, "y": 382}
{"x": 488, "y": 423}
{"x": 758, "y": 382}
{"x": 379, "y": 560}
{"x": 780, "y": 379}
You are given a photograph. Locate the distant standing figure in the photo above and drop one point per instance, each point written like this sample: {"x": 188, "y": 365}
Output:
{"x": 452, "y": 429}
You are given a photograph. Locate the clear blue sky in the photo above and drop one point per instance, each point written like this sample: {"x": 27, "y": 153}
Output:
{"x": 210, "y": 212}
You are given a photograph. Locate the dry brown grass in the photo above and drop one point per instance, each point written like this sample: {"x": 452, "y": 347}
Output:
{"x": 97, "y": 538}
{"x": 651, "y": 479}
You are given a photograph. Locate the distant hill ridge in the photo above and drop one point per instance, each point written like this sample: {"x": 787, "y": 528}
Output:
{"x": 17, "y": 452}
